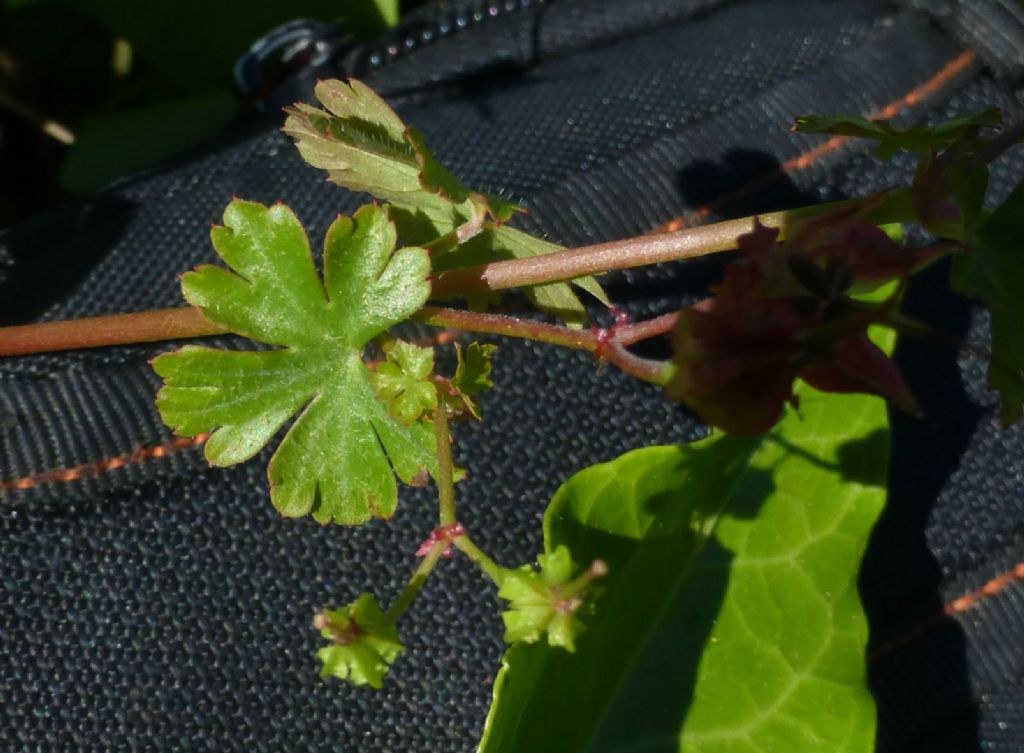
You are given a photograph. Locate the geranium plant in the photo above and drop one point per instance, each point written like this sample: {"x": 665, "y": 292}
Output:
{"x": 695, "y": 597}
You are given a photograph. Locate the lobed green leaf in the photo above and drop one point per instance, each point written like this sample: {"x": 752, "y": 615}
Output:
{"x": 339, "y": 458}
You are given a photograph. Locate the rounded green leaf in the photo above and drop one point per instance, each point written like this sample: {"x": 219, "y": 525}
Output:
{"x": 339, "y": 458}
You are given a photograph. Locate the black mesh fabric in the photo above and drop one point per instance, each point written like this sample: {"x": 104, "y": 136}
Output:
{"x": 148, "y": 602}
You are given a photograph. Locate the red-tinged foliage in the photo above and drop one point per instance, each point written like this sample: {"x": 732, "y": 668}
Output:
{"x": 858, "y": 365}
{"x": 736, "y": 362}
{"x": 738, "y": 353}
{"x": 827, "y": 255}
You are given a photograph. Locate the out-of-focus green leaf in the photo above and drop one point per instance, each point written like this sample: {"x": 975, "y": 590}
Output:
{"x": 993, "y": 270}
{"x": 116, "y": 144}
{"x": 730, "y": 621}
{"x": 193, "y": 44}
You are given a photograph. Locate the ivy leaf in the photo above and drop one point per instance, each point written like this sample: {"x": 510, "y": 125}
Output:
{"x": 365, "y": 146}
{"x": 403, "y": 380}
{"x": 892, "y": 139}
{"x": 993, "y": 270}
{"x": 730, "y": 618}
{"x": 473, "y": 373}
{"x": 364, "y": 642}
{"x": 334, "y": 460}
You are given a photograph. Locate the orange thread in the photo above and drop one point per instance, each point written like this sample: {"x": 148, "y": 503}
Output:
{"x": 990, "y": 589}
{"x": 953, "y": 608}
{"x": 803, "y": 161}
{"x": 443, "y": 337}
{"x": 98, "y": 467}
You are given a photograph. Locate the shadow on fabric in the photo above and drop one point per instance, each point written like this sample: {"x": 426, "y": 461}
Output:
{"x": 919, "y": 675}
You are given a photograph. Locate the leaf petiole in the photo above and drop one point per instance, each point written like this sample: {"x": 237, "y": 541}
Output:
{"x": 445, "y": 475}
{"x": 415, "y": 583}
{"x": 491, "y": 569}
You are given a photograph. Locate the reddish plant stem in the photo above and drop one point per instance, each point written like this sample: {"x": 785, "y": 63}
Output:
{"x": 633, "y": 333}
{"x": 644, "y": 369}
{"x": 498, "y": 324}
{"x": 613, "y": 351}
{"x": 102, "y": 331}
{"x": 1007, "y": 137}
{"x": 189, "y": 322}
{"x": 603, "y": 257}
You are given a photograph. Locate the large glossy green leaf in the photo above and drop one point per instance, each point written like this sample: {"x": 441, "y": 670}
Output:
{"x": 340, "y": 456}
{"x": 731, "y": 619}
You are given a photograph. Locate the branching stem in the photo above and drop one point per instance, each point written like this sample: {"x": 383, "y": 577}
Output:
{"x": 445, "y": 476}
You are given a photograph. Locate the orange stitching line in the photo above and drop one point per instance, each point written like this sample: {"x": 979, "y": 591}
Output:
{"x": 803, "y": 161}
{"x": 990, "y": 589}
{"x": 953, "y": 608}
{"x": 98, "y": 467}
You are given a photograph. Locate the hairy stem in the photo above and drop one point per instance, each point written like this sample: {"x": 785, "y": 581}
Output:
{"x": 1007, "y": 137}
{"x": 645, "y": 369}
{"x": 102, "y": 331}
{"x": 491, "y": 569}
{"x": 498, "y": 324}
{"x": 415, "y": 583}
{"x": 603, "y": 257}
{"x": 445, "y": 476}
{"x": 611, "y": 350}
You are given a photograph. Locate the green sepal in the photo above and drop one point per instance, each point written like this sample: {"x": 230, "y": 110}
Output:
{"x": 364, "y": 642}
{"x": 547, "y": 601}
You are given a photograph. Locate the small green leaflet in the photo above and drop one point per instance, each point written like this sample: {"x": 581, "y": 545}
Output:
{"x": 730, "y": 620}
{"x": 403, "y": 380}
{"x": 473, "y": 373}
{"x": 993, "y": 270}
{"x": 334, "y": 460}
{"x": 365, "y": 146}
{"x": 892, "y": 139}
